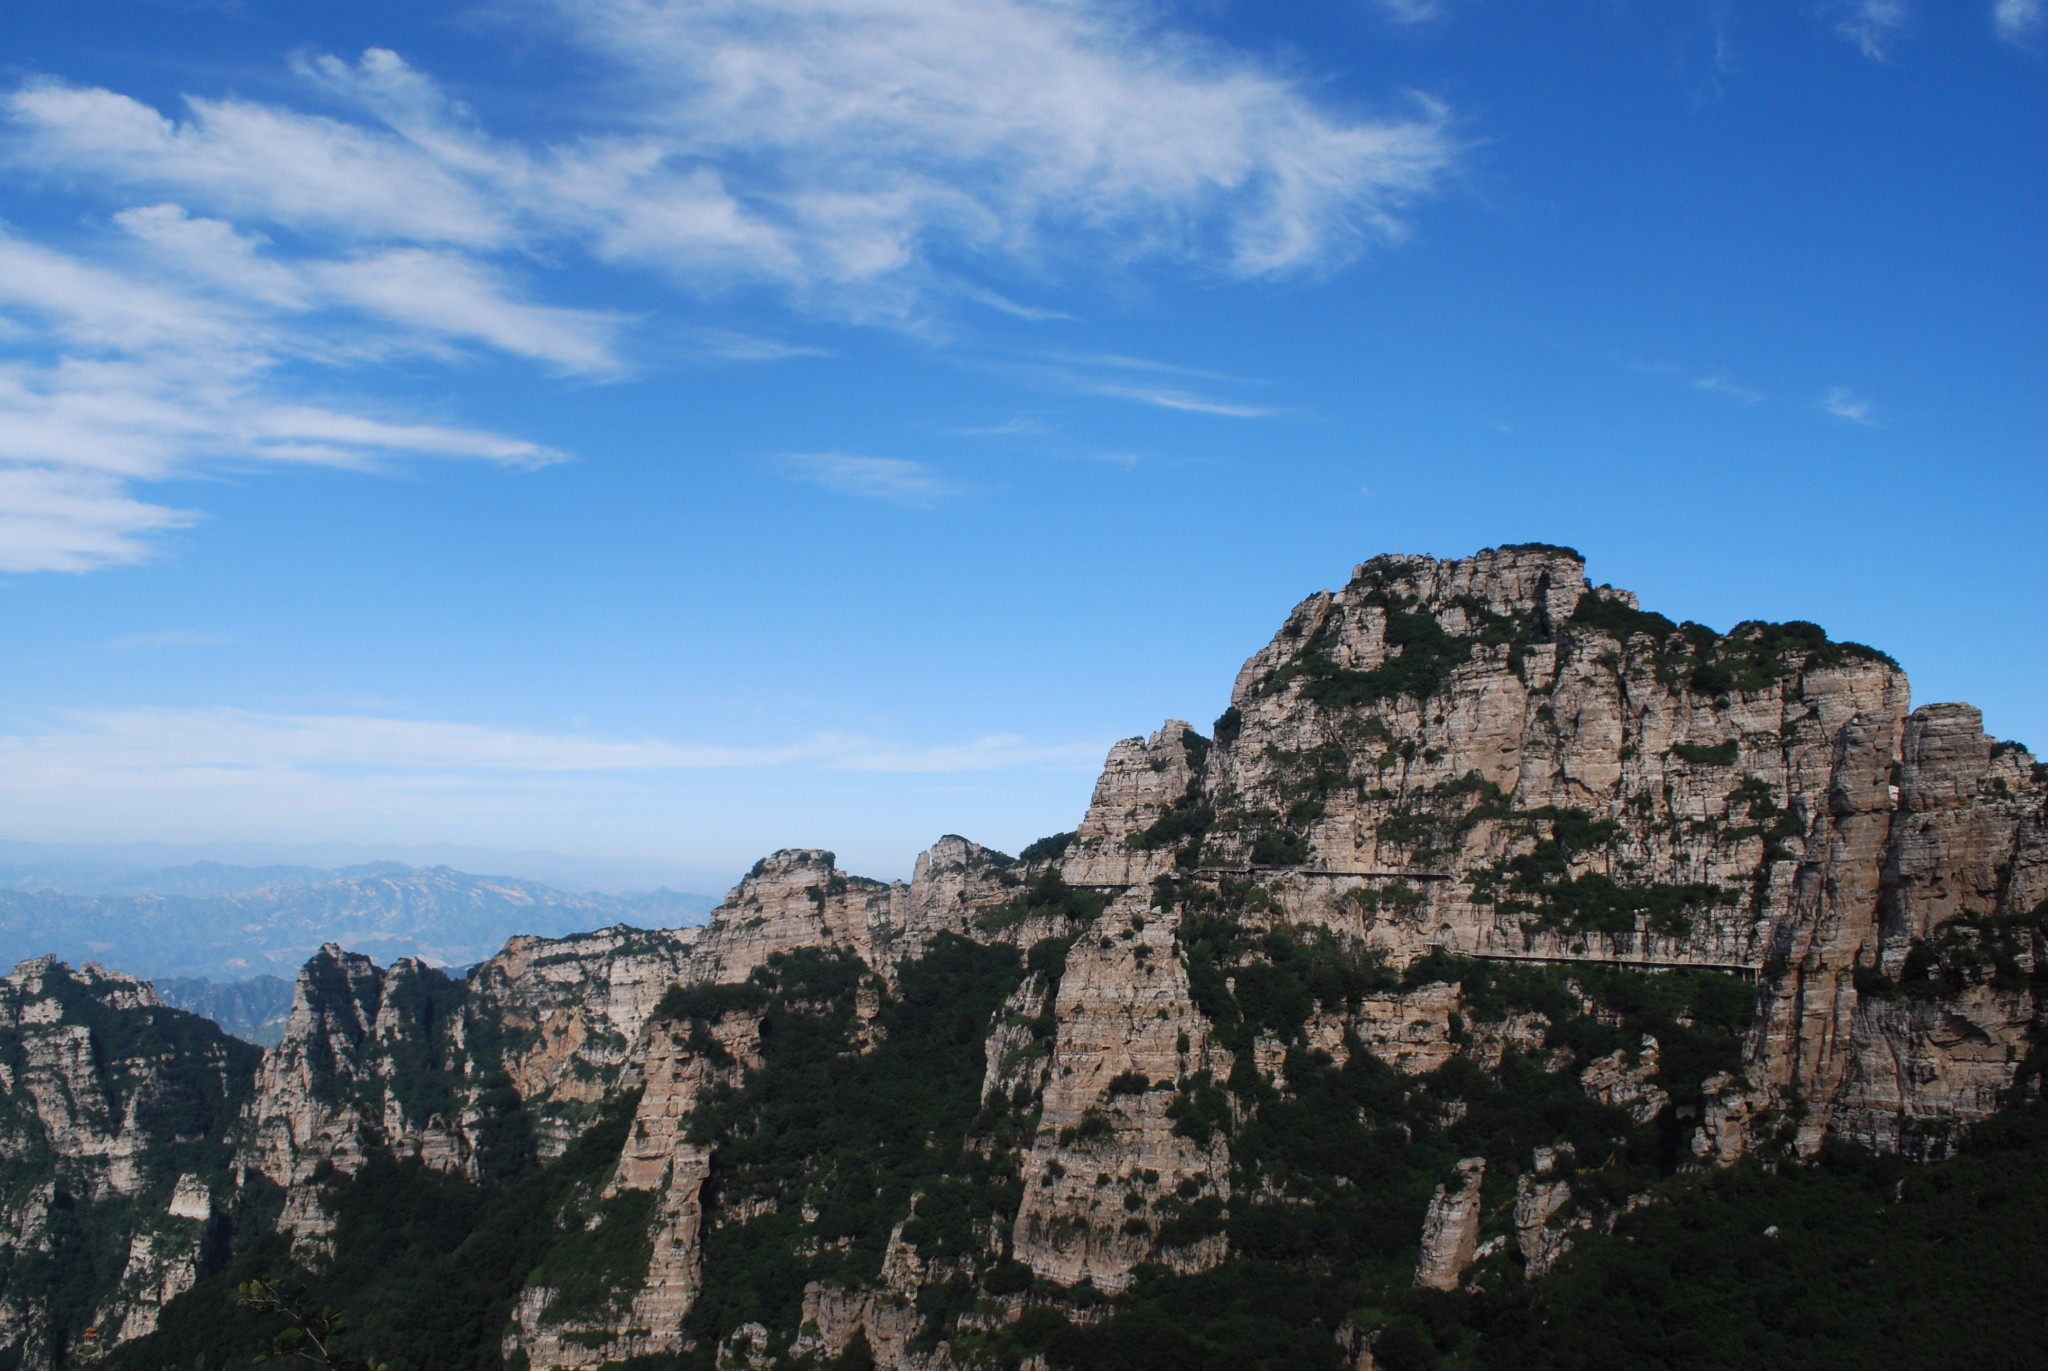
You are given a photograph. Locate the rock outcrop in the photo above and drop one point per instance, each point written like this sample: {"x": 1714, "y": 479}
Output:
{"x": 103, "y": 1092}
{"x": 1450, "y": 1232}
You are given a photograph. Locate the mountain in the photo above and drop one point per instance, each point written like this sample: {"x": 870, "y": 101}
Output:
{"x": 111, "y": 868}
{"x": 253, "y": 1010}
{"x": 192, "y": 878}
{"x": 115, "y": 1155}
{"x": 223, "y": 922}
{"x": 1512, "y": 977}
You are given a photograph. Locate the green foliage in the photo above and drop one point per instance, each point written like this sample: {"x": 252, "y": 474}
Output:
{"x": 1048, "y": 957}
{"x": 1558, "y": 548}
{"x": 590, "y": 1267}
{"x": 429, "y": 1265}
{"x": 1281, "y": 976}
{"x": 425, "y": 1074}
{"x": 2007, "y": 952}
{"x": 1750, "y": 657}
{"x": 196, "y": 1076}
{"x": 1229, "y": 724}
{"x": 852, "y": 1135}
{"x": 1049, "y": 849}
{"x": 1616, "y": 619}
{"x": 312, "y": 1333}
{"x": 1248, "y": 1316}
{"x": 171, "y": 1079}
{"x": 1427, "y": 657}
{"x": 1856, "y": 1262}
{"x": 1187, "y": 822}
{"x": 1829, "y": 1266}
{"x": 1540, "y": 882}
{"x": 1198, "y": 1110}
{"x": 1722, "y": 753}
{"x": 1129, "y": 1083}
{"x": 1048, "y": 896}
{"x": 709, "y": 1003}
{"x": 1432, "y": 823}
{"x": 1276, "y": 847}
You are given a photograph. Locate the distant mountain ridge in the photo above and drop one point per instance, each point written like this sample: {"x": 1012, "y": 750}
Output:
{"x": 224, "y": 922}
{"x": 111, "y": 868}
{"x": 253, "y": 1010}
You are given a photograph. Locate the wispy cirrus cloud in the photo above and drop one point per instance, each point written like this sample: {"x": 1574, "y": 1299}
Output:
{"x": 1410, "y": 11}
{"x": 896, "y": 480}
{"x": 1730, "y": 390}
{"x": 861, "y": 141}
{"x": 1846, "y": 404}
{"x": 1175, "y": 398}
{"x": 865, "y": 160}
{"x": 1146, "y": 381}
{"x": 52, "y": 519}
{"x": 2020, "y": 22}
{"x": 1870, "y": 25}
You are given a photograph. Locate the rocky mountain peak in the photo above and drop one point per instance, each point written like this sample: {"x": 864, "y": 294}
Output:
{"x": 1493, "y": 900}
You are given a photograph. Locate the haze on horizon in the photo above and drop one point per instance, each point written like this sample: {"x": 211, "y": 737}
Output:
{"x": 667, "y": 433}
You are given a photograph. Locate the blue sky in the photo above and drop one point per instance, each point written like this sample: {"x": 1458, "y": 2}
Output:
{"x": 675, "y": 431}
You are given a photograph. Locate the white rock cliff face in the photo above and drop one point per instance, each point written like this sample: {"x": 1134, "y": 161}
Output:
{"x": 98, "y": 1079}
{"x": 1450, "y": 1233}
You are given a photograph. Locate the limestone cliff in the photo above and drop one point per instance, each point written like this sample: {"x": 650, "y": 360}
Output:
{"x": 114, "y": 1119}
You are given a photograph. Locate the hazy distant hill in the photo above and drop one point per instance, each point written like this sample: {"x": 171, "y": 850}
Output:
{"x": 254, "y": 1010}
{"x": 139, "y": 868}
{"x": 224, "y": 922}
{"x": 192, "y": 878}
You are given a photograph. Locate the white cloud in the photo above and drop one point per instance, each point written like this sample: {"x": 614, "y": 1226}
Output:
{"x": 92, "y": 307}
{"x": 213, "y": 252}
{"x": 448, "y": 295}
{"x": 1139, "y": 380}
{"x": 57, "y": 520}
{"x": 866, "y": 136}
{"x": 2019, "y": 22}
{"x": 1845, "y": 403}
{"x": 1732, "y": 390}
{"x": 866, "y": 157}
{"x": 1411, "y": 11}
{"x": 728, "y": 345}
{"x": 893, "y": 479}
{"x": 76, "y": 433}
{"x": 1871, "y": 24}
{"x": 260, "y": 160}
{"x": 1186, "y": 401}
{"x": 124, "y": 375}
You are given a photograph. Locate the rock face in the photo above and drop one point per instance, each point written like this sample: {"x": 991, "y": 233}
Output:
{"x": 1539, "y": 1238}
{"x": 1131, "y": 831}
{"x": 414, "y": 1063}
{"x": 103, "y": 1090}
{"x": 1483, "y": 864}
{"x": 1450, "y": 1232}
{"x": 684, "y": 1059}
{"x": 1128, "y": 1038}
